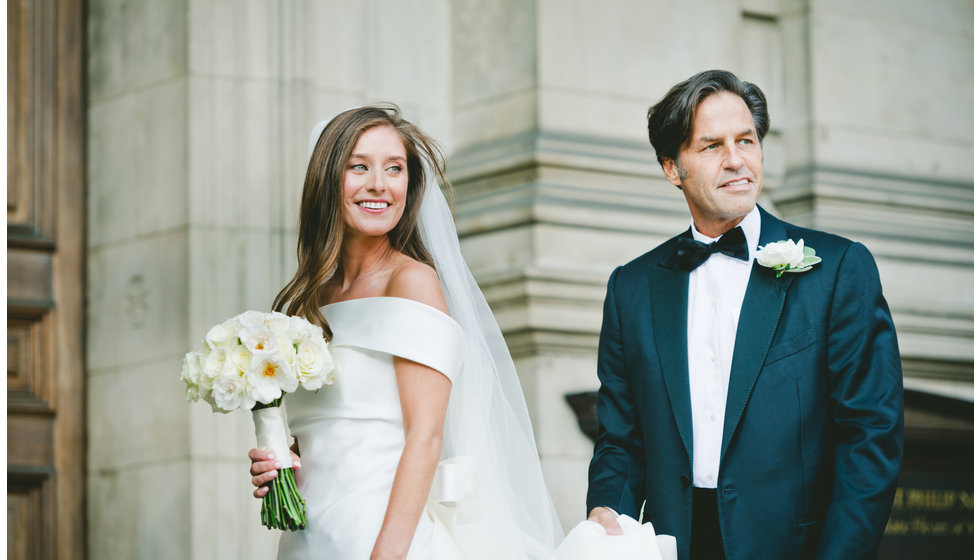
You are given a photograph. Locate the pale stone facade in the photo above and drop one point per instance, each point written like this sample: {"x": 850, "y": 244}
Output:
{"x": 199, "y": 113}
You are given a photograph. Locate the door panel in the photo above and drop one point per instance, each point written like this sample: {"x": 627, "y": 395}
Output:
{"x": 45, "y": 279}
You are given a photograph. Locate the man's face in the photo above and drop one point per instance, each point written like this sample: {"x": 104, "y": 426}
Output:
{"x": 719, "y": 168}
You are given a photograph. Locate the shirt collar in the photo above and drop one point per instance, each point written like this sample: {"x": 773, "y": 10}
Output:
{"x": 751, "y": 226}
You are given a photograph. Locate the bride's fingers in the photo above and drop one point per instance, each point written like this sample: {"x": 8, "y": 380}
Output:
{"x": 261, "y": 467}
{"x": 260, "y": 454}
{"x": 265, "y": 468}
{"x": 261, "y": 479}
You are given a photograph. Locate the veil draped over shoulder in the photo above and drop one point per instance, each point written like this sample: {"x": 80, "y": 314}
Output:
{"x": 496, "y": 502}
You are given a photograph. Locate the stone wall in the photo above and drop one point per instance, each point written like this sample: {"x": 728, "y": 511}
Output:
{"x": 199, "y": 113}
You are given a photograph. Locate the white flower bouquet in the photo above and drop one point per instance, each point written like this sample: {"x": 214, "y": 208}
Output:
{"x": 248, "y": 363}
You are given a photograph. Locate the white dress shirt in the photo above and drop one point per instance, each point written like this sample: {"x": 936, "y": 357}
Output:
{"x": 715, "y": 293}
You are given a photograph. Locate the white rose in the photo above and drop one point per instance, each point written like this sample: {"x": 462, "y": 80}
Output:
{"x": 781, "y": 254}
{"x": 191, "y": 374}
{"x": 222, "y": 334}
{"x": 250, "y": 318}
{"x": 191, "y": 370}
{"x": 241, "y": 358}
{"x": 287, "y": 347}
{"x": 229, "y": 393}
{"x": 277, "y": 322}
{"x": 214, "y": 364}
{"x": 315, "y": 363}
{"x": 300, "y": 328}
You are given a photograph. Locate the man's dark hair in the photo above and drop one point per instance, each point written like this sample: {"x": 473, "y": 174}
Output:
{"x": 669, "y": 122}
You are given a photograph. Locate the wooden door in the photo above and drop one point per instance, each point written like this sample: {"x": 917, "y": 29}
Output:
{"x": 45, "y": 279}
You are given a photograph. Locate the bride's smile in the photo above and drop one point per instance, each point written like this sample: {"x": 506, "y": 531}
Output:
{"x": 376, "y": 182}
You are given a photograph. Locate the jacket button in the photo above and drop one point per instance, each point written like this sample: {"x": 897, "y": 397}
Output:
{"x": 685, "y": 480}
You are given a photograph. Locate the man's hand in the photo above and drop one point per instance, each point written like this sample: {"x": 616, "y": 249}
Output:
{"x": 608, "y": 519}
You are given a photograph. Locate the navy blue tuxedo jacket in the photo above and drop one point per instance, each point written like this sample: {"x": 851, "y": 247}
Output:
{"x": 812, "y": 440}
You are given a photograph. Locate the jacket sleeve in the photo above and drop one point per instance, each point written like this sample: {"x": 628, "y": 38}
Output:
{"x": 616, "y": 474}
{"x": 866, "y": 396}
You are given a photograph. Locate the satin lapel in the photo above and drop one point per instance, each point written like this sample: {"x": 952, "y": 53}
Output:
{"x": 758, "y": 319}
{"x": 668, "y": 297}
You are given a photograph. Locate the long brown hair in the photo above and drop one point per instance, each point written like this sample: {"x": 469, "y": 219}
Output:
{"x": 321, "y": 218}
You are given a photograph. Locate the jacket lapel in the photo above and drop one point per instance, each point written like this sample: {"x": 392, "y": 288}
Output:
{"x": 668, "y": 297}
{"x": 758, "y": 319}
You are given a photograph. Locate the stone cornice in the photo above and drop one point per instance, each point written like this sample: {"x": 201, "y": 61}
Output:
{"x": 558, "y": 149}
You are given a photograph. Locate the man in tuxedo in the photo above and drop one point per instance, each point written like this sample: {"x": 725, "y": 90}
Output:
{"x": 752, "y": 414}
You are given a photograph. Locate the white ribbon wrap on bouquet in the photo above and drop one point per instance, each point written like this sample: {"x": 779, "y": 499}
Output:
{"x": 272, "y": 434}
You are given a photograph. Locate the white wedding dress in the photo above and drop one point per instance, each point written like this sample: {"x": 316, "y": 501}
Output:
{"x": 350, "y": 433}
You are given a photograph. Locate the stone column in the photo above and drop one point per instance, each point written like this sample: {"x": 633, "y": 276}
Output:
{"x": 139, "y": 427}
{"x": 880, "y": 149}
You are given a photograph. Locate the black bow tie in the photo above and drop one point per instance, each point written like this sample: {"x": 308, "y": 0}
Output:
{"x": 692, "y": 253}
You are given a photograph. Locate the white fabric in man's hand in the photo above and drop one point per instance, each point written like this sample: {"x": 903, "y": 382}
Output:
{"x": 589, "y": 541}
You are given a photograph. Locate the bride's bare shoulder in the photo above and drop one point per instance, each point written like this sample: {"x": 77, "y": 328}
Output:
{"x": 418, "y": 281}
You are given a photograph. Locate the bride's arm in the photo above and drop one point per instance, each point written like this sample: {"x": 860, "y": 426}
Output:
{"x": 424, "y": 396}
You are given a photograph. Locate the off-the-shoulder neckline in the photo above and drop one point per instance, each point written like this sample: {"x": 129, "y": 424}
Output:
{"x": 376, "y": 298}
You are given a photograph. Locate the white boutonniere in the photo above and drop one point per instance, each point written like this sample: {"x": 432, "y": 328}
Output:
{"x": 787, "y": 256}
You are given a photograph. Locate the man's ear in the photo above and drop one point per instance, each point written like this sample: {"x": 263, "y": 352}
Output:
{"x": 671, "y": 171}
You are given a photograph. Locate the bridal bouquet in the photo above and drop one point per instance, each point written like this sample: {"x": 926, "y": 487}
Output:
{"x": 248, "y": 363}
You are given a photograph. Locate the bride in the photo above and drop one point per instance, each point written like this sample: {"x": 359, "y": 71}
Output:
{"x": 423, "y": 371}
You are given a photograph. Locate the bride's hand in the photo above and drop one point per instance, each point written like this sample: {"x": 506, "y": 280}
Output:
{"x": 608, "y": 519}
{"x": 265, "y": 468}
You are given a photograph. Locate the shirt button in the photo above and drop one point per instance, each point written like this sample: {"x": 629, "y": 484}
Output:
{"x": 712, "y": 417}
{"x": 712, "y": 358}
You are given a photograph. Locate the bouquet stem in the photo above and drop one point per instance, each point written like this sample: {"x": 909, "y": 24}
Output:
{"x": 282, "y": 507}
